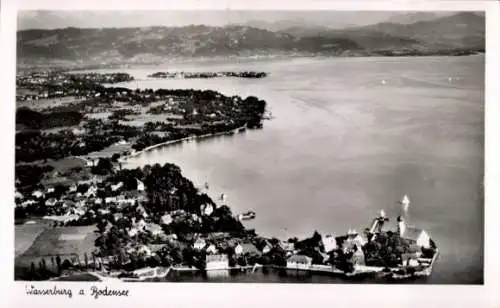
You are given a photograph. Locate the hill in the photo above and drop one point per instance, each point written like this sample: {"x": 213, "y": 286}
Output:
{"x": 163, "y": 42}
{"x": 157, "y": 44}
{"x": 462, "y": 30}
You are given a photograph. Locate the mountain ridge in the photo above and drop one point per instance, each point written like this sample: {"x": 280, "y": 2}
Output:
{"x": 458, "y": 31}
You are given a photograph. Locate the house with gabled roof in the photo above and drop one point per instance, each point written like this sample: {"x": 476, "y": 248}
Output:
{"x": 413, "y": 235}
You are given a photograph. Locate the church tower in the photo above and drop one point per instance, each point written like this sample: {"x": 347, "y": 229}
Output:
{"x": 401, "y": 226}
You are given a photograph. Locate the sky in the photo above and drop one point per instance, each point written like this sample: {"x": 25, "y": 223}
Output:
{"x": 123, "y": 19}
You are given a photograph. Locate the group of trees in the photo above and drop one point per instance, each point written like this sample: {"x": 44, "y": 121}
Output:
{"x": 121, "y": 114}
{"x": 29, "y": 176}
{"x": 37, "y": 120}
{"x": 34, "y": 145}
{"x": 386, "y": 249}
{"x": 53, "y": 266}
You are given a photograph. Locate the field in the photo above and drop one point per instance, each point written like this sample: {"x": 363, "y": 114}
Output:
{"x": 25, "y": 235}
{"x": 64, "y": 241}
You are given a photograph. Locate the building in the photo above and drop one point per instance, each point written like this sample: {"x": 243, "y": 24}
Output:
{"x": 207, "y": 209}
{"x": 166, "y": 219}
{"x": 217, "y": 261}
{"x": 299, "y": 262}
{"x": 155, "y": 229}
{"x": 211, "y": 249}
{"x": 91, "y": 192}
{"x": 266, "y": 249}
{"x": 413, "y": 235}
{"x": 217, "y": 265}
{"x": 140, "y": 186}
{"x": 329, "y": 242}
{"x": 199, "y": 244}
{"x": 38, "y": 194}
{"x": 51, "y": 202}
{"x": 117, "y": 186}
{"x": 358, "y": 257}
{"x": 246, "y": 249}
{"x": 410, "y": 259}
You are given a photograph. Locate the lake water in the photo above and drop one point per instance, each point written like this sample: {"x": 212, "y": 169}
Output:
{"x": 351, "y": 136}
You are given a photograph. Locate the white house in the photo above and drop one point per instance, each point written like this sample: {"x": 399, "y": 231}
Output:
{"x": 38, "y": 194}
{"x": 199, "y": 244}
{"x": 103, "y": 211}
{"x": 211, "y": 249}
{"x": 266, "y": 249}
{"x": 217, "y": 262}
{"x": 116, "y": 186}
{"x": 413, "y": 235}
{"x": 28, "y": 202}
{"x": 110, "y": 199}
{"x": 207, "y": 209}
{"x": 166, "y": 219}
{"x": 73, "y": 188}
{"x": 133, "y": 232}
{"x": 329, "y": 242}
{"x": 18, "y": 195}
{"x": 51, "y": 202}
{"x": 154, "y": 229}
{"x": 140, "y": 186}
{"x": 92, "y": 191}
{"x": 354, "y": 237}
{"x": 299, "y": 262}
{"x": 410, "y": 259}
{"x": 246, "y": 249}
{"x": 238, "y": 250}
{"x": 50, "y": 190}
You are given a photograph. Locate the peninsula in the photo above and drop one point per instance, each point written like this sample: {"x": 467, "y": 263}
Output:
{"x": 80, "y": 215}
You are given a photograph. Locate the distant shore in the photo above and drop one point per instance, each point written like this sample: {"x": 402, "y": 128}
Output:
{"x": 65, "y": 65}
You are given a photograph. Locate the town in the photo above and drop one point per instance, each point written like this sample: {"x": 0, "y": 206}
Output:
{"x": 81, "y": 216}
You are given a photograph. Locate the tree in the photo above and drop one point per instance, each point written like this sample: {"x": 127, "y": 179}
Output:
{"x": 86, "y": 261}
{"x": 33, "y": 271}
{"x": 58, "y": 260}
{"x": 104, "y": 167}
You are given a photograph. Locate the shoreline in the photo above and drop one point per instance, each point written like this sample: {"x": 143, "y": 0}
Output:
{"x": 124, "y": 159}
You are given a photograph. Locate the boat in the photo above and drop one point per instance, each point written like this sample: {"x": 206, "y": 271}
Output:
{"x": 247, "y": 215}
{"x": 268, "y": 116}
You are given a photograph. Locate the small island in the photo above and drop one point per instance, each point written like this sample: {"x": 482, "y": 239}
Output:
{"x": 192, "y": 75}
